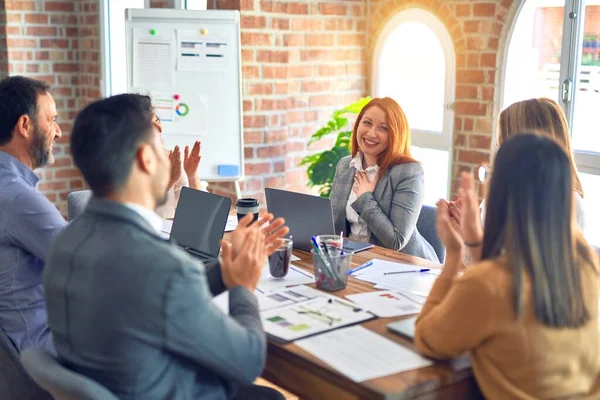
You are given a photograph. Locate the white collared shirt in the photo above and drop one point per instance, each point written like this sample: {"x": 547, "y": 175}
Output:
{"x": 358, "y": 228}
{"x": 155, "y": 221}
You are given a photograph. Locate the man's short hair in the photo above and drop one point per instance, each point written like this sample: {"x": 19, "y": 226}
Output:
{"x": 18, "y": 97}
{"x": 105, "y": 138}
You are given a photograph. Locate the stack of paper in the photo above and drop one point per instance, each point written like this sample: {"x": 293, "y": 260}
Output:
{"x": 361, "y": 354}
{"x": 310, "y": 317}
{"x": 386, "y": 304}
{"x": 268, "y": 301}
{"x": 404, "y": 279}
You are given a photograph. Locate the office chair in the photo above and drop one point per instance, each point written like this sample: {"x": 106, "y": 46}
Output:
{"x": 62, "y": 383}
{"x": 76, "y": 202}
{"x": 15, "y": 383}
{"x": 427, "y": 229}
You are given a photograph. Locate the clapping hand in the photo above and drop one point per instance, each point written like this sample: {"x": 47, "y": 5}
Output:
{"x": 176, "y": 169}
{"x": 272, "y": 230}
{"x": 191, "y": 159}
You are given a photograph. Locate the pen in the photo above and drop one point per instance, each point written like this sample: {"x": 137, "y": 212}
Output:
{"x": 365, "y": 265}
{"x": 402, "y": 272}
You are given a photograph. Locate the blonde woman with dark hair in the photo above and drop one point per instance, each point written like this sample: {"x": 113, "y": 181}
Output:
{"x": 528, "y": 312}
{"x": 539, "y": 116}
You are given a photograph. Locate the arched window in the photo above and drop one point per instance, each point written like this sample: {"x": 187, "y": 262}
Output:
{"x": 414, "y": 64}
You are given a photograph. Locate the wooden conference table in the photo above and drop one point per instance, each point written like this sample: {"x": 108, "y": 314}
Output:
{"x": 295, "y": 370}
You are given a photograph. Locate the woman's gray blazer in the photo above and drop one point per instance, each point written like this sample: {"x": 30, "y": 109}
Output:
{"x": 391, "y": 211}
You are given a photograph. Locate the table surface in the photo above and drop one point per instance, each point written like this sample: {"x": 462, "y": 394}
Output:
{"x": 308, "y": 377}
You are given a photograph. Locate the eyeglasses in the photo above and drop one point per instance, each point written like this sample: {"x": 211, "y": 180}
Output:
{"x": 483, "y": 173}
{"x": 318, "y": 315}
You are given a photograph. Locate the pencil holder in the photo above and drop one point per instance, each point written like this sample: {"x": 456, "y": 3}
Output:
{"x": 331, "y": 270}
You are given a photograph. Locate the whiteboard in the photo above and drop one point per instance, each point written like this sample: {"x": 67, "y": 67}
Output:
{"x": 189, "y": 62}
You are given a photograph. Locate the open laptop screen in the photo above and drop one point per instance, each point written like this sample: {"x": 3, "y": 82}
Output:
{"x": 200, "y": 220}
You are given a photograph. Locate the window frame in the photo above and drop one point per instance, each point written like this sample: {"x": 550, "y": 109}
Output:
{"x": 105, "y": 40}
{"x": 570, "y": 60}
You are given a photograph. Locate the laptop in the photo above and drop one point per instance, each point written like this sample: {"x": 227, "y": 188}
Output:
{"x": 306, "y": 216}
{"x": 405, "y": 327}
{"x": 199, "y": 222}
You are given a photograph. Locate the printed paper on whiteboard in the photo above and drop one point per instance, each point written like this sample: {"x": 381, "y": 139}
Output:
{"x": 153, "y": 59}
{"x": 196, "y": 52}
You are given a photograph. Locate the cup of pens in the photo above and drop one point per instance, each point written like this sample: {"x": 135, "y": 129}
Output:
{"x": 331, "y": 263}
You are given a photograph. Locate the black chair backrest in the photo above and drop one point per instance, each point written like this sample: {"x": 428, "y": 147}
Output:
{"x": 15, "y": 383}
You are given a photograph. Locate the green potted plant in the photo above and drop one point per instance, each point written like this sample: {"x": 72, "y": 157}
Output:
{"x": 321, "y": 166}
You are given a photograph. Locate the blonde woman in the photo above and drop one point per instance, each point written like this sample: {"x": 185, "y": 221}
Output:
{"x": 540, "y": 116}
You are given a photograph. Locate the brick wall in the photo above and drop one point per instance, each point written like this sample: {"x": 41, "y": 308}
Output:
{"x": 477, "y": 29}
{"x": 301, "y": 60}
{"x": 42, "y": 42}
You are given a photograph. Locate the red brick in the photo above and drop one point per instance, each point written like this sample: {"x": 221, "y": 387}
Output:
{"x": 460, "y": 140}
{"x": 67, "y": 173}
{"x": 330, "y": 70}
{"x": 76, "y": 184}
{"x": 333, "y": 9}
{"x": 20, "y": 5}
{"x": 356, "y": 70}
{"x": 300, "y": 71}
{"x": 248, "y": 153}
{"x": 36, "y": 18}
{"x": 320, "y": 40}
{"x": 293, "y": 40}
{"x": 470, "y": 108}
{"x": 323, "y": 100}
{"x": 487, "y": 93}
{"x": 278, "y": 166}
{"x": 275, "y": 136}
{"x": 66, "y": 67}
{"x": 484, "y": 125}
{"x": 255, "y": 121}
{"x": 247, "y": 55}
{"x": 271, "y": 151}
{"x": 275, "y": 72}
{"x": 293, "y": 117}
{"x": 67, "y": 6}
{"x": 54, "y": 43}
{"x": 311, "y": 116}
{"x": 275, "y": 182}
{"x": 466, "y": 92}
{"x": 488, "y": 60}
{"x": 52, "y": 186}
{"x": 484, "y": 9}
{"x": 246, "y": 5}
{"x": 483, "y": 142}
{"x": 351, "y": 40}
{"x": 307, "y": 24}
{"x": 316, "y": 86}
{"x": 253, "y": 22}
{"x": 473, "y": 157}
{"x": 297, "y": 8}
{"x": 25, "y": 43}
{"x": 253, "y": 185}
{"x": 250, "y": 71}
{"x": 63, "y": 19}
{"x": 256, "y": 39}
{"x": 472, "y": 26}
{"x": 41, "y": 31}
{"x": 280, "y": 23}
{"x": 13, "y": 18}
{"x": 339, "y": 24}
{"x": 253, "y": 137}
{"x": 257, "y": 169}
{"x": 470, "y": 76}
{"x": 260, "y": 88}
{"x": 270, "y": 105}
{"x": 271, "y": 56}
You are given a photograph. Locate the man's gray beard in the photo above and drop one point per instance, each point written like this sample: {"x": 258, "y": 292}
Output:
{"x": 39, "y": 153}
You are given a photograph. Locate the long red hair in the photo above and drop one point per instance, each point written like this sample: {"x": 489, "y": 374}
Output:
{"x": 398, "y": 150}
